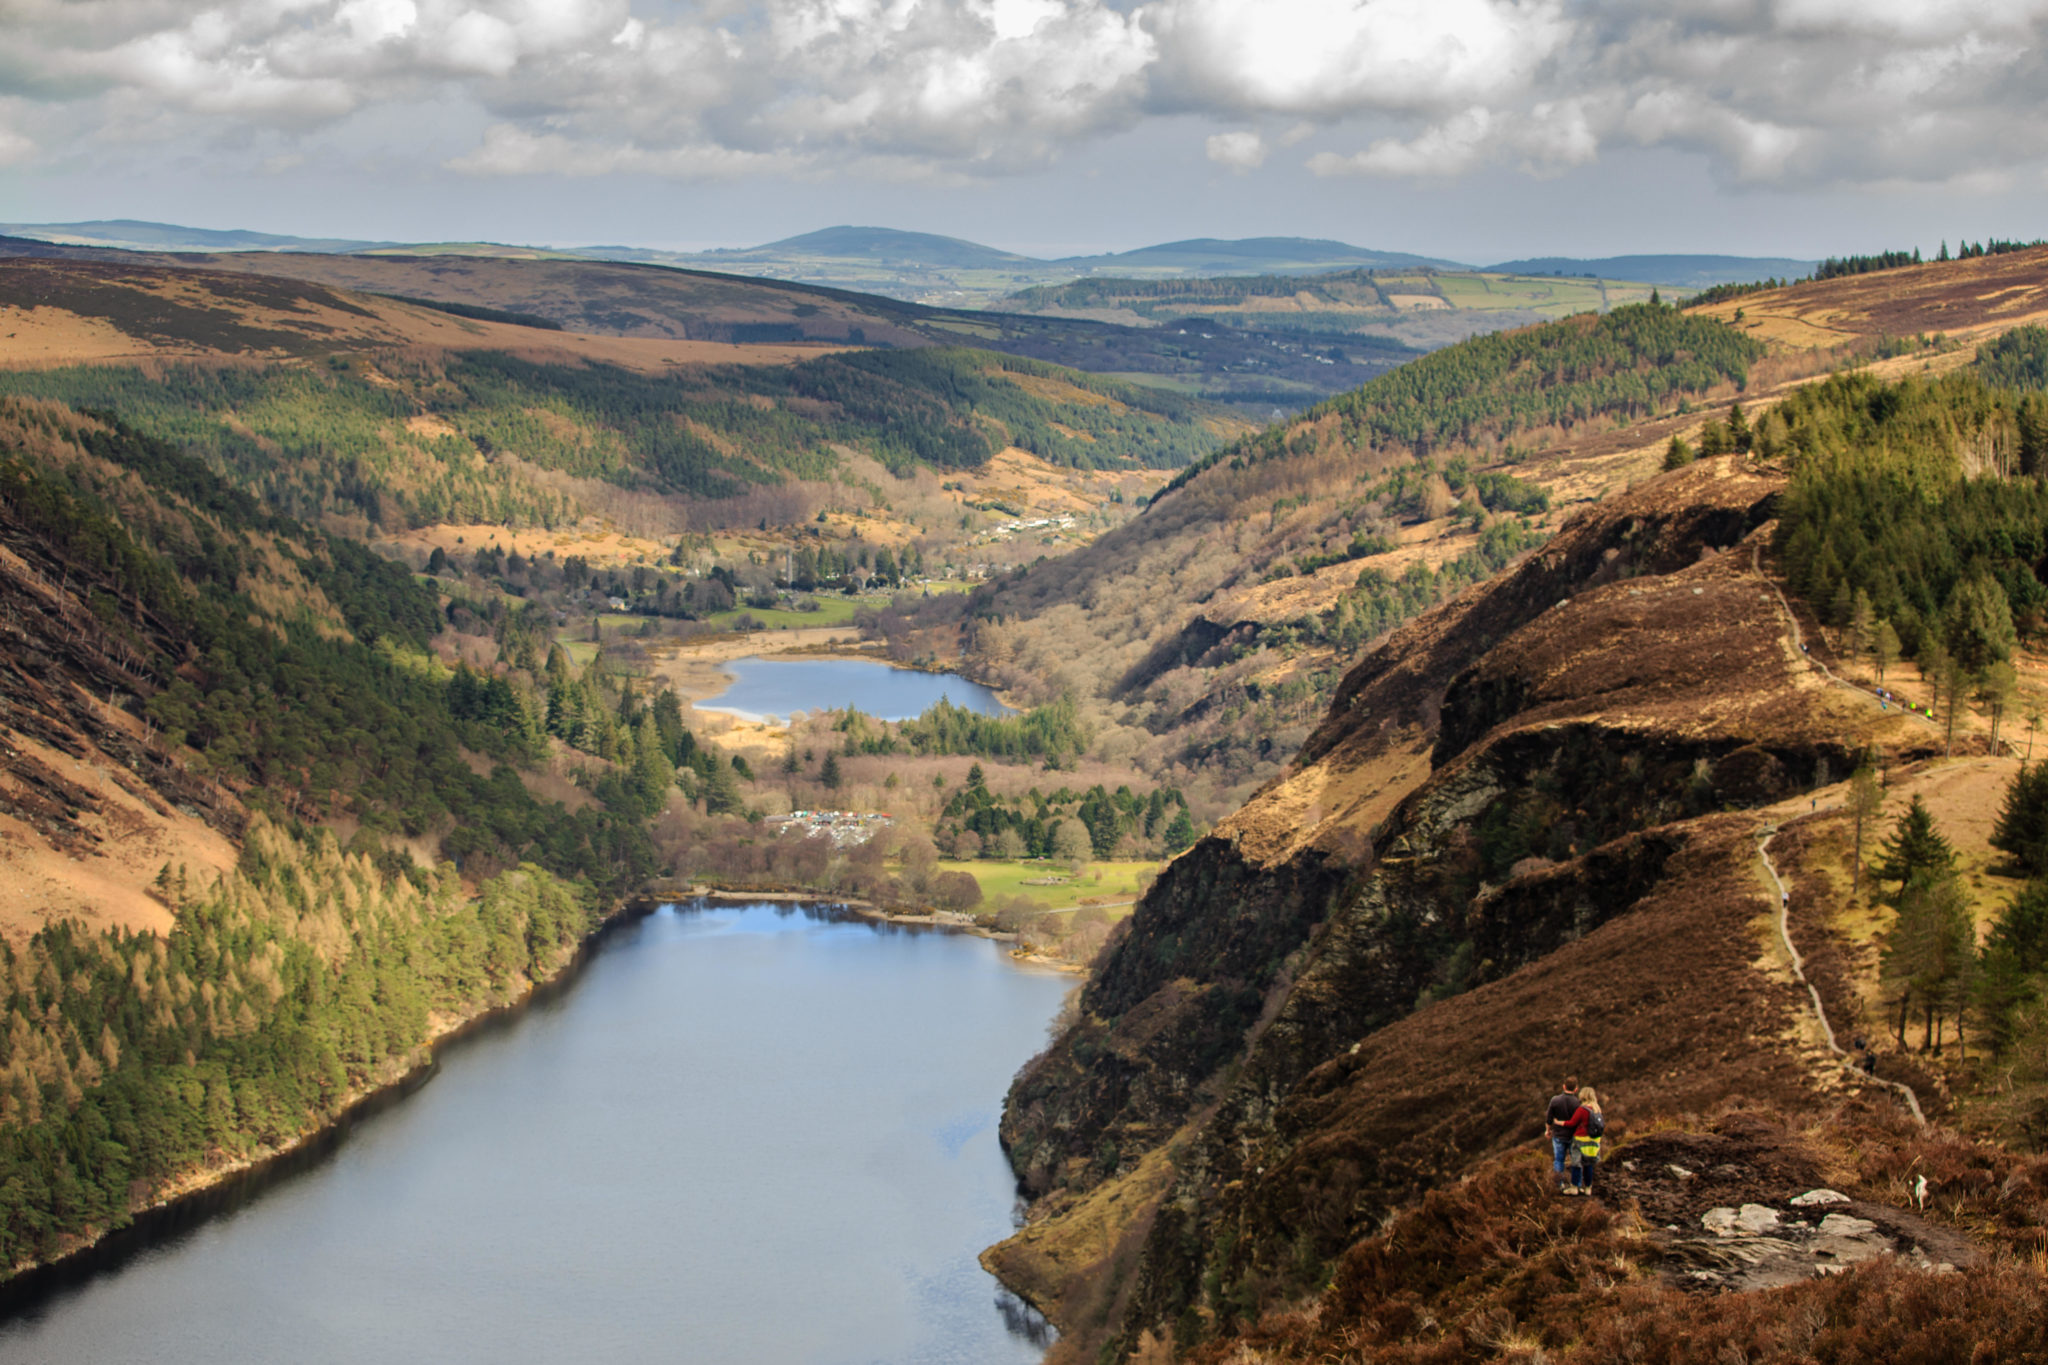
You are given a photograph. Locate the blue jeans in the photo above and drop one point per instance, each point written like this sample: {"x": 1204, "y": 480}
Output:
{"x": 1560, "y": 1148}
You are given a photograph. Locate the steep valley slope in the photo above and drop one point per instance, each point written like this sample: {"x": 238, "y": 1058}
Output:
{"x": 223, "y": 740}
{"x": 1216, "y": 626}
{"x": 1523, "y": 842}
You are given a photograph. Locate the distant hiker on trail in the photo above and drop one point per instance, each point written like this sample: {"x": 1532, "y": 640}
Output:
{"x": 1564, "y": 1107}
{"x": 1588, "y": 1127}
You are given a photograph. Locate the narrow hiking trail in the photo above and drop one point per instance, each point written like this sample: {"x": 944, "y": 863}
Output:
{"x": 1798, "y": 639}
{"x": 1784, "y": 921}
{"x": 1764, "y": 837}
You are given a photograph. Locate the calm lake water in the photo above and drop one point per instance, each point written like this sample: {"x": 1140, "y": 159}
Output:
{"x": 781, "y": 687}
{"x": 749, "y": 1133}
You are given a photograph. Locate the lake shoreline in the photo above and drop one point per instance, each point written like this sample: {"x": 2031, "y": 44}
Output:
{"x": 693, "y": 669}
{"x": 203, "y": 1193}
{"x": 197, "y": 1196}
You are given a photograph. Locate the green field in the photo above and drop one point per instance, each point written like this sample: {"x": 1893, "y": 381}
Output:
{"x": 1555, "y": 295}
{"x": 832, "y": 611}
{"x": 1002, "y": 880}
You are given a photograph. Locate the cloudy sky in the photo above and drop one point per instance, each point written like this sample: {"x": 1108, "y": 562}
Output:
{"x": 1477, "y": 129}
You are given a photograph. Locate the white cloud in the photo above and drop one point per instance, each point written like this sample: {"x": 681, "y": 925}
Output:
{"x": 1238, "y": 151}
{"x": 1877, "y": 92}
{"x": 1329, "y": 58}
{"x": 1445, "y": 149}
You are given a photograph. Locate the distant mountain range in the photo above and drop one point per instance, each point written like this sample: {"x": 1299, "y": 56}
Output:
{"x": 132, "y": 234}
{"x": 925, "y": 267}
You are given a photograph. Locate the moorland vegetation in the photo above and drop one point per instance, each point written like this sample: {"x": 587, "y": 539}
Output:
{"x": 408, "y": 440}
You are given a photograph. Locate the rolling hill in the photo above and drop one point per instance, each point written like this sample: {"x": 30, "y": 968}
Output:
{"x": 1255, "y": 370}
{"x": 1423, "y": 308}
{"x": 235, "y": 784}
{"x": 131, "y": 234}
{"x": 1249, "y": 255}
{"x": 880, "y": 246}
{"x": 955, "y": 273}
{"x": 1673, "y": 272}
{"x": 913, "y": 266}
{"x": 336, "y": 402}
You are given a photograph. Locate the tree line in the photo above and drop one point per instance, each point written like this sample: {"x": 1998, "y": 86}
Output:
{"x": 1054, "y": 732}
{"x": 286, "y": 988}
{"x": 1936, "y": 974}
{"x": 977, "y": 823}
{"x": 1636, "y": 359}
{"x": 1916, "y": 519}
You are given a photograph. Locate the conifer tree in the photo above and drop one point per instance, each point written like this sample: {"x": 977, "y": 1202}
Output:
{"x": 1929, "y": 954}
{"x": 1995, "y": 689}
{"x": 1884, "y": 647}
{"x": 653, "y": 773}
{"x": 2022, "y": 827}
{"x": 1862, "y": 623}
{"x": 2021, "y": 928}
{"x": 1977, "y": 624}
{"x": 1739, "y": 433}
{"x": 1915, "y": 847}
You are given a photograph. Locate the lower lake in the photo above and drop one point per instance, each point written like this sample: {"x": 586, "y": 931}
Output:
{"x": 781, "y": 687}
{"x": 741, "y": 1133}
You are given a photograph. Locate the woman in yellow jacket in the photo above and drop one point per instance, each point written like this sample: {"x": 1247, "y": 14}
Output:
{"x": 1588, "y": 1125}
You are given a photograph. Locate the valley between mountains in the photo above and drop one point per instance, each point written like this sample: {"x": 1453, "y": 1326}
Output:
{"x": 1374, "y": 768}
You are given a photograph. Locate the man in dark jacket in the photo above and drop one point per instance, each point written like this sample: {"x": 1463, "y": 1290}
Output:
{"x": 1558, "y": 1123}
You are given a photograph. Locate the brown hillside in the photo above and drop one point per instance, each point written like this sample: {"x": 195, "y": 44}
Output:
{"x": 599, "y": 298}
{"x": 1971, "y": 300}
{"x": 93, "y": 802}
{"x": 55, "y": 312}
{"x": 1522, "y": 801}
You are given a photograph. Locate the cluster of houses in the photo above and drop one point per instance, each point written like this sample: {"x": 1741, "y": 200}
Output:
{"x": 844, "y": 827}
{"x": 1011, "y": 528}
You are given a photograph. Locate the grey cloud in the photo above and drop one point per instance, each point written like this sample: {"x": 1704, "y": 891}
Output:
{"x": 1772, "y": 91}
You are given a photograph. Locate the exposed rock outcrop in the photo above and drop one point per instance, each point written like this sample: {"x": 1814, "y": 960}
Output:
{"x": 1505, "y": 852}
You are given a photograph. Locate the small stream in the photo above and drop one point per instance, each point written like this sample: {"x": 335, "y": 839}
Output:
{"x": 745, "y": 1133}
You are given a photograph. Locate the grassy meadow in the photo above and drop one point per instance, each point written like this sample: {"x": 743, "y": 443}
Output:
{"x": 1108, "y": 880}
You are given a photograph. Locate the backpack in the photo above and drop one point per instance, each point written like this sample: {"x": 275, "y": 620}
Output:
{"x": 1596, "y": 1125}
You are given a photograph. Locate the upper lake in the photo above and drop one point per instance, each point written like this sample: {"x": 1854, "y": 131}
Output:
{"x": 742, "y": 1133}
{"x": 781, "y": 687}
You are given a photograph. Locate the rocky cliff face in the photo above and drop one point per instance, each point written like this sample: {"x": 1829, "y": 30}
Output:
{"x": 1505, "y": 852}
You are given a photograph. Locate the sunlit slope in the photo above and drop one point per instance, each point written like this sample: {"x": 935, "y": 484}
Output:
{"x": 1355, "y": 300}
{"x": 59, "y": 312}
{"x": 1966, "y": 301}
{"x": 328, "y": 400}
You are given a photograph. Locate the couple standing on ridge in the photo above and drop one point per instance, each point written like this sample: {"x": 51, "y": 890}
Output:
{"x": 1575, "y": 1125}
